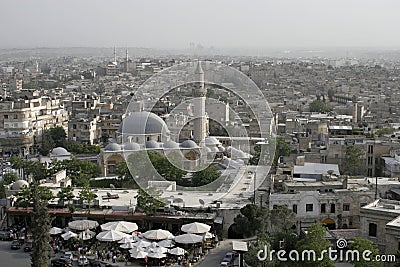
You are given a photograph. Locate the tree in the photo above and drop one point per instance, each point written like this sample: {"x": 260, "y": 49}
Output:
{"x": 252, "y": 220}
{"x": 319, "y": 106}
{"x": 65, "y": 194}
{"x": 205, "y": 176}
{"x": 40, "y": 227}
{"x": 58, "y": 136}
{"x": 256, "y": 157}
{"x": 79, "y": 171}
{"x": 361, "y": 245}
{"x": 149, "y": 201}
{"x": 25, "y": 197}
{"x": 47, "y": 143}
{"x": 384, "y": 131}
{"x": 86, "y": 194}
{"x": 315, "y": 241}
{"x": 353, "y": 159}
{"x": 9, "y": 178}
{"x": 282, "y": 219}
{"x": 281, "y": 149}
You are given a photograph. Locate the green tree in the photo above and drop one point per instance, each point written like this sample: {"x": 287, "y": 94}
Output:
{"x": 205, "y": 176}
{"x": 66, "y": 194}
{"x": 10, "y": 177}
{"x": 319, "y": 106}
{"x": 282, "y": 219}
{"x": 40, "y": 227}
{"x": 316, "y": 241}
{"x": 281, "y": 149}
{"x": 256, "y": 157}
{"x": 252, "y": 220}
{"x": 384, "y": 131}
{"x": 47, "y": 143}
{"x": 87, "y": 195}
{"x": 79, "y": 171}
{"x": 123, "y": 172}
{"x": 361, "y": 245}
{"x": 149, "y": 201}
{"x": 353, "y": 159}
{"x": 24, "y": 198}
{"x": 58, "y": 136}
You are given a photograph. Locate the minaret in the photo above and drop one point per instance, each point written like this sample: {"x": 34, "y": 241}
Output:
{"x": 355, "y": 109}
{"x": 127, "y": 61}
{"x": 115, "y": 56}
{"x": 199, "y": 93}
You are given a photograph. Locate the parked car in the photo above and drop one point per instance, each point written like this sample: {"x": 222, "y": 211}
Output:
{"x": 224, "y": 264}
{"x": 58, "y": 262}
{"x": 82, "y": 260}
{"x": 28, "y": 245}
{"x": 229, "y": 257}
{"x": 15, "y": 244}
{"x": 5, "y": 236}
{"x": 67, "y": 255}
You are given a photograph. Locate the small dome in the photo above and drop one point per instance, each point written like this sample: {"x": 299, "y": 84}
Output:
{"x": 131, "y": 146}
{"x": 59, "y": 151}
{"x": 208, "y": 150}
{"x": 151, "y": 144}
{"x": 214, "y": 149}
{"x": 139, "y": 123}
{"x": 228, "y": 149}
{"x": 18, "y": 185}
{"x": 113, "y": 147}
{"x": 211, "y": 141}
{"x": 221, "y": 149}
{"x": 171, "y": 144}
{"x": 189, "y": 144}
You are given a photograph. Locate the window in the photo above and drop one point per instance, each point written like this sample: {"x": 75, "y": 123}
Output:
{"x": 309, "y": 207}
{"x": 372, "y": 229}
{"x": 323, "y": 208}
{"x": 369, "y": 172}
{"x": 333, "y": 208}
{"x": 370, "y": 149}
{"x": 346, "y": 207}
{"x": 370, "y": 160}
{"x": 336, "y": 156}
{"x": 294, "y": 208}
{"x": 73, "y": 126}
{"x": 6, "y": 116}
{"x": 15, "y": 116}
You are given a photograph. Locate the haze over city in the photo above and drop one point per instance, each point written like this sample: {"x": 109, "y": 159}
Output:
{"x": 218, "y": 24}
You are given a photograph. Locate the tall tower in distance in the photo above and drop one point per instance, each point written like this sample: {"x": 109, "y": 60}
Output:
{"x": 199, "y": 105}
{"x": 115, "y": 56}
{"x": 126, "y": 61}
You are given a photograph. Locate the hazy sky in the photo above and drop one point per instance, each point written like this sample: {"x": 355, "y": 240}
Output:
{"x": 218, "y": 23}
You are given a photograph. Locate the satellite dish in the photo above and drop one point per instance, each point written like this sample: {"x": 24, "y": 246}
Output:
{"x": 201, "y": 202}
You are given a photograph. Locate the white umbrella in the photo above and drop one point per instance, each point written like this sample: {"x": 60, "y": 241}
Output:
{"x": 86, "y": 235}
{"x": 139, "y": 254}
{"x": 156, "y": 255}
{"x": 177, "y": 251}
{"x": 122, "y": 226}
{"x": 55, "y": 231}
{"x": 110, "y": 236}
{"x": 127, "y": 246}
{"x": 68, "y": 235}
{"x": 157, "y": 234}
{"x": 142, "y": 244}
{"x": 135, "y": 249}
{"x": 167, "y": 243}
{"x": 83, "y": 225}
{"x": 127, "y": 239}
{"x": 196, "y": 228}
{"x": 188, "y": 239}
{"x": 159, "y": 249}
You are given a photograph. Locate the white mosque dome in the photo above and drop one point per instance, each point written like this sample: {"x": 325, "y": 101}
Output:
{"x": 189, "y": 144}
{"x": 18, "y": 185}
{"x": 139, "y": 123}
{"x": 211, "y": 141}
{"x": 131, "y": 146}
{"x": 59, "y": 151}
{"x": 221, "y": 149}
{"x": 171, "y": 144}
{"x": 112, "y": 147}
{"x": 151, "y": 144}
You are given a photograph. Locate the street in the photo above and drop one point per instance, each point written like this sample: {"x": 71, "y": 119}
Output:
{"x": 13, "y": 258}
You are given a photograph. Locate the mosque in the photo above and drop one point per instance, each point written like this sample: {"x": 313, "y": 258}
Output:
{"x": 143, "y": 130}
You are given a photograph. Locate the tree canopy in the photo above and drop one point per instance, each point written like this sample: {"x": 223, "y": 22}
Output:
{"x": 252, "y": 220}
{"x": 353, "y": 159}
{"x": 361, "y": 245}
{"x": 319, "y": 106}
{"x": 149, "y": 201}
